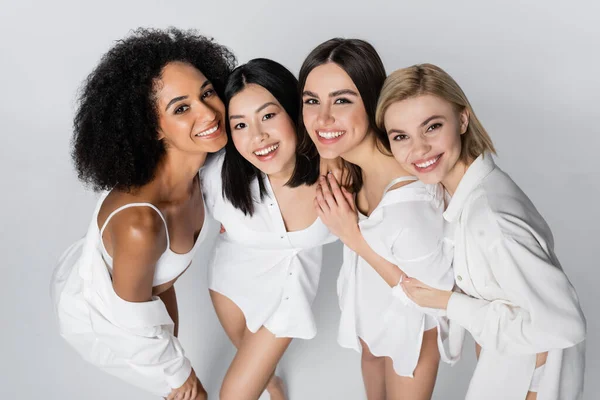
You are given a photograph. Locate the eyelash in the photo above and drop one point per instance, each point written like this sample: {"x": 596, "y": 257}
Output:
{"x": 311, "y": 102}
{"x": 397, "y": 138}
{"x": 238, "y": 126}
{"x": 433, "y": 127}
{"x": 269, "y": 115}
{"x": 183, "y": 108}
{"x": 342, "y": 100}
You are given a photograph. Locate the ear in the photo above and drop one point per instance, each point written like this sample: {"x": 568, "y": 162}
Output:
{"x": 160, "y": 134}
{"x": 464, "y": 120}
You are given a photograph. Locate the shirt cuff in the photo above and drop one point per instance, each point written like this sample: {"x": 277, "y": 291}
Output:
{"x": 462, "y": 308}
{"x": 178, "y": 378}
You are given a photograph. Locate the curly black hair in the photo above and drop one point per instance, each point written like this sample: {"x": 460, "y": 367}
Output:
{"x": 115, "y": 140}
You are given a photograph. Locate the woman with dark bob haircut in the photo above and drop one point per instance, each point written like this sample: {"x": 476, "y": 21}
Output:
{"x": 265, "y": 271}
{"x": 148, "y": 117}
{"x": 391, "y": 225}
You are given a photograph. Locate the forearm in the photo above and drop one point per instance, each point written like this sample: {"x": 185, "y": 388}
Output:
{"x": 391, "y": 273}
{"x": 169, "y": 298}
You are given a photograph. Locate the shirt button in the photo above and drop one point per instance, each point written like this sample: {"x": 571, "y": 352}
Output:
{"x": 459, "y": 278}
{"x": 282, "y": 237}
{"x": 290, "y": 274}
{"x": 287, "y": 298}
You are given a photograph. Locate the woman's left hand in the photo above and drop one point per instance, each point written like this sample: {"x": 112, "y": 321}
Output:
{"x": 425, "y": 296}
{"x": 336, "y": 208}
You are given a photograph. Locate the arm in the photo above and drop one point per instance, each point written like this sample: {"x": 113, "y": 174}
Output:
{"x": 337, "y": 210}
{"x": 138, "y": 236}
{"x": 540, "y": 311}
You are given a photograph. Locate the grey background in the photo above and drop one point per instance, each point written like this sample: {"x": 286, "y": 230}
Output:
{"x": 530, "y": 69}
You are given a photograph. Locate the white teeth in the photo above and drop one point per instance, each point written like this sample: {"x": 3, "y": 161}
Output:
{"x": 330, "y": 135}
{"x": 428, "y": 163}
{"x": 267, "y": 150}
{"x": 208, "y": 131}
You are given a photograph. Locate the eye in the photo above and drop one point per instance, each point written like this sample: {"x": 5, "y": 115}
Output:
{"x": 241, "y": 125}
{"x": 433, "y": 127}
{"x": 268, "y": 116}
{"x": 342, "y": 100}
{"x": 311, "y": 101}
{"x": 399, "y": 138}
{"x": 208, "y": 93}
{"x": 181, "y": 109}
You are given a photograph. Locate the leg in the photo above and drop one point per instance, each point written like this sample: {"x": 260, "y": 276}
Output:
{"x": 233, "y": 321}
{"x": 373, "y": 372}
{"x": 170, "y": 299}
{"x": 421, "y": 386}
{"x": 253, "y": 365}
{"x": 539, "y": 361}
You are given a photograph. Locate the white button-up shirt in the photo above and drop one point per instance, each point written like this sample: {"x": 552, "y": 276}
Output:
{"x": 407, "y": 229}
{"x": 516, "y": 299}
{"x": 272, "y": 275}
{"x": 131, "y": 340}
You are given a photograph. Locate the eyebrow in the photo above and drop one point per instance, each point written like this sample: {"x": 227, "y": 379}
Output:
{"x": 428, "y": 120}
{"x": 179, "y": 98}
{"x": 259, "y": 109}
{"x": 332, "y": 94}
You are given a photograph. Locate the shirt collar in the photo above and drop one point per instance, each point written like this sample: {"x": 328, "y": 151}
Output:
{"x": 477, "y": 171}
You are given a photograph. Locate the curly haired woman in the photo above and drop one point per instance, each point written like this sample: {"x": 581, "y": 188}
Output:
{"x": 148, "y": 117}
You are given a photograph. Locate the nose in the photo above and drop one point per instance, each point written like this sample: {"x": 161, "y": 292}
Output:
{"x": 257, "y": 133}
{"x": 206, "y": 114}
{"x": 325, "y": 117}
{"x": 421, "y": 147}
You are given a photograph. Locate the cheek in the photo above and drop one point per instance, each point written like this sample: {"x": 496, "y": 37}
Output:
{"x": 400, "y": 151}
{"x": 239, "y": 142}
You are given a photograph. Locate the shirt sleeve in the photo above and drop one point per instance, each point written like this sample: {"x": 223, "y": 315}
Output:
{"x": 540, "y": 310}
{"x": 142, "y": 335}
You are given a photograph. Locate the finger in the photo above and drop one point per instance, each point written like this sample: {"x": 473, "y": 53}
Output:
{"x": 194, "y": 393}
{"x": 222, "y": 229}
{"x": 321, "y": 200}
{"x": 340, "y": 199}
{"x": 327, "y": 195}
{"x": 349, "y": 198}
{"x": 172, "y": 395}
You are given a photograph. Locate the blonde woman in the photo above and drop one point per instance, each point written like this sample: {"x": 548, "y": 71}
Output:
{"x": 515, "y": 299}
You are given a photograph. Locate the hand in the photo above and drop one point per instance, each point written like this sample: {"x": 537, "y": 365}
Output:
{"x": 425, "y": 296}
{"x": 336, "y": 208}
{"x": 190, "y": 390}
{"x": 333, "y": 165}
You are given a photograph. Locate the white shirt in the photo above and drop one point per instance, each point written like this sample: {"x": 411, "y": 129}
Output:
{"x": 407, "y": 229}
{"x": 272, "y": 275}
{"x": 517, "y": 300}
{"x": 133, "y": 341}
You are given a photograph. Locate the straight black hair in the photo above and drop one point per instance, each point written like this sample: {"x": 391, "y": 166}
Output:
{"x": 238, "y": 173}
{"x": 360, "y": 61}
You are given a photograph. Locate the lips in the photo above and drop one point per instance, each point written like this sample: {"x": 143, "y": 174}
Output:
{"x": 266, "y": 153}
{"x": 329, "y": 136}
{"x": 211, "y": 132}
{"x": 428, "y": 164}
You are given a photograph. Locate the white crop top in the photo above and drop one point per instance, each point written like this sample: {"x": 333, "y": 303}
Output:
{"x": 170, "y": 264}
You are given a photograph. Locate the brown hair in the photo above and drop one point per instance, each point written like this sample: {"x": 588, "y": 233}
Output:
{"x": 429, "y": 79}
{"x": 363, "y": 65}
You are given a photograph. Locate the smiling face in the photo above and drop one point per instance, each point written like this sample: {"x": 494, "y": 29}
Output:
{"x": 425, "y": 137}
{"x": 333, "y": 111}
{"x": 262, "y": 132}
{"x": 191, "y": 115}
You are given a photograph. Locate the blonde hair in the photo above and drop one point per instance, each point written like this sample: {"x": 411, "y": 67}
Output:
{"x": 423, "y": 79}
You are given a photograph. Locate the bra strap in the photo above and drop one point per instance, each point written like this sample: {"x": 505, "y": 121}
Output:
{"x": 398, "y": 180}
{"x": 112, "y": 214}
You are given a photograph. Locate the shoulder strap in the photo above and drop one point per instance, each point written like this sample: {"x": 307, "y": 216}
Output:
{"x": 398, "y": 180}
{"x": 112, "y": 214}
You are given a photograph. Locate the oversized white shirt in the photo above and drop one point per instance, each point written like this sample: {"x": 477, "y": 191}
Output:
{"x": 272, "y": 275}
{"x": 406, "y": 229}
{"x": 516, "y": 299}
{"x": 131, "y": 340}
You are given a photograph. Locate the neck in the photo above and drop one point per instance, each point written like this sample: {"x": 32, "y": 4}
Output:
{"x": 282, "y": 177}
{"x": 375, "y": 166}
{"x": 454, "y": 176}
{"x": 175, "y": 175}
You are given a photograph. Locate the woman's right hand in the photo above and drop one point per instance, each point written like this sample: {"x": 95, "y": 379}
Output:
{"x": 191, "y": 389}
